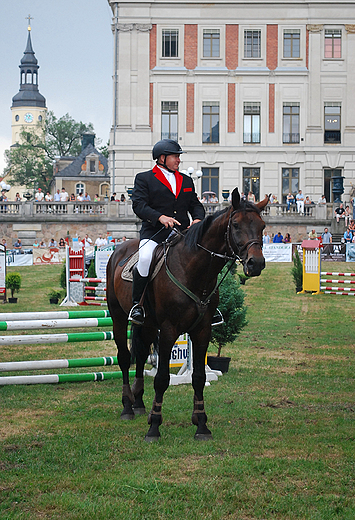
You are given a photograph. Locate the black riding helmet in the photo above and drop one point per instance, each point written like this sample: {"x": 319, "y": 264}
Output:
{"x": 165, "y": 147}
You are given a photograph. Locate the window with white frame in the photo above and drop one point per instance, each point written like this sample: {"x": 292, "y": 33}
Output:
{"x": 170, "y": 43}
{"x": 169, "y": 120}
{"x": 291, "y": 123}
{"x": 79, "y": 188}
{"x": 251, "y": 181}
{"x": 252, "y": 44}
{"x": 210, "y": 122}
{"x": 332, "y": 43}
{"x": 290, "y": 182}
{"x": 292, "y": 43}
{"x": 251, "y": 129}
{"x": 211, "y": 41}
{"x": 332, "y": 122}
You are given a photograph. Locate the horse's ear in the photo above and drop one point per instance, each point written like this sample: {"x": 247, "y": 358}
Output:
{"x": 261, "y": 205}
{"x": 235, "y": 198}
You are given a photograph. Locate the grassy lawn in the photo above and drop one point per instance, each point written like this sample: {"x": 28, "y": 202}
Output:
{"x": 282, "y": 421}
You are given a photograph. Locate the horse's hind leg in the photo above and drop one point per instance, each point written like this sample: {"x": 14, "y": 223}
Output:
{"x": 199, "y": 417}
{"x": 142, "y": 337}
{"x": 119, "y": 319}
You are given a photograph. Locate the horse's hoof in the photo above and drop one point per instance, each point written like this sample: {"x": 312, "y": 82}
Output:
{"x": 139, "y": 411}
{"x": 203, "y": 436}
{"x": 127, "y": 416}
{"x": 151, "y": 438}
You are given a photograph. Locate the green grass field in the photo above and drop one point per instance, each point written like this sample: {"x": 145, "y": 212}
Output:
{"x": 282, "y": 421}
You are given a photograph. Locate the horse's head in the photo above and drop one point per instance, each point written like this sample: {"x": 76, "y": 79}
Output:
{"x": 244, "y": 234}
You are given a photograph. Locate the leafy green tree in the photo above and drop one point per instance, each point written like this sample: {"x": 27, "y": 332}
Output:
{"x": 63, "y": 135}
{"x": 231, "y": 305}
{"x": 30, "y": 163}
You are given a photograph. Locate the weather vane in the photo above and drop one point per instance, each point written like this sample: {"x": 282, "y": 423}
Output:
{"x": 29, "y": 18}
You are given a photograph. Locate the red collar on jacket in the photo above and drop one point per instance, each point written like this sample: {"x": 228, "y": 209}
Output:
{"x": 161, "y": 177}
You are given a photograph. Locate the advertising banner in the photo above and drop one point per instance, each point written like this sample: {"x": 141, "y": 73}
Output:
{"x": 2, "y": 269}
{"x": 102, "y": 257}
{"x": 179, "y": 352}
{"x": 333, "y": 253}
{"x": 277, "y": 252}
{"x": 52, "y": 255}
{"x": 19, "y": 260}
{"x": 350, "y": 252}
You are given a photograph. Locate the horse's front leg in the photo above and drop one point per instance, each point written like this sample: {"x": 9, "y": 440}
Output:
{"x": 124, "y": 361}
{"x": 199, "y": 417}
{"x": 161, "y": 383}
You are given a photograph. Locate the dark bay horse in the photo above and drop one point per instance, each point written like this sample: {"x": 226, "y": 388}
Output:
{"x": 182, "y": 298}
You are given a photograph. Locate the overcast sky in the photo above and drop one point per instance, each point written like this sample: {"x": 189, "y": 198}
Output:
{"x": 73, "y": 44}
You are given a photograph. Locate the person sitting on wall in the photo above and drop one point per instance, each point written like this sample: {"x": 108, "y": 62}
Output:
{"x": 39, "y": 195}
{"x": 86, "y": 197}
{"x": 347, "y": 215}
{"x": 57, "y": 196}
{"x": 312, "y": 234}
{"x": 42, "y": 244}
{"x": 61, "y": 242}
{"x": 289, "y": 200}
{"x": 52, "y": 243}
{"x": 266, "y": 238}
{"x": 35, "y": 244}
{"x": 322, "y": 200}
{"x": 278, "y": 238}
{"x": 339, "y": 212}
{"x": 18, "y": 246}
{"x": 300, "y": 202}
{"x": 348, "y": 236}
{"x": 287, "y": 239}
{"x": 113, "y": 197}
{"x": 123, "y": 198}
{"x": 307, "y": 205}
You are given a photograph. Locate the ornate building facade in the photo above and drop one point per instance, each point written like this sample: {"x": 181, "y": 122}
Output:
{"x": 260, "y": 94}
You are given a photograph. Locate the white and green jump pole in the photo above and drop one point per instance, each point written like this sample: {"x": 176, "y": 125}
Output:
{"x": 61, "y": 378}
{"x": 59, "y": 315}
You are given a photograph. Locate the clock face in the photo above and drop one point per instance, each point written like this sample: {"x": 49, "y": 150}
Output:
{"x": 28, "y": 117}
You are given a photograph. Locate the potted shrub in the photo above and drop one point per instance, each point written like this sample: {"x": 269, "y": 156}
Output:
{"x": 231, "y": 305}
{"x": 54, "y": 296}
{"x": 297, "y": 272}
{"x": 13, "y": 282}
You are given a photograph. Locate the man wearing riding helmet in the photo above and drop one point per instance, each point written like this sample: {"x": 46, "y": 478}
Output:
{"x": 162, "y": 198}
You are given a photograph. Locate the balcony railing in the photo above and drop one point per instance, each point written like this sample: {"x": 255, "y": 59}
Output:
{"x": 251, "y": 138}
{"x": 291, "y": 138}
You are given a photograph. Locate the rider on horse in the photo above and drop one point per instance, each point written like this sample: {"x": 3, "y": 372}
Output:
{"x": 162, "y": 198}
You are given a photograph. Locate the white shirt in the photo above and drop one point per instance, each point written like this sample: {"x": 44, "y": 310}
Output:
{"x": 64, "y": 196}
{"x": 48, "y": 198}
{"x": 39, "y": 196}
{"x": 170, "y": 177}
{"x": 100, "y": 242}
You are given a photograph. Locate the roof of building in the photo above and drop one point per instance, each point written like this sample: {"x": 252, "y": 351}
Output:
{"x": 74, "y": 169}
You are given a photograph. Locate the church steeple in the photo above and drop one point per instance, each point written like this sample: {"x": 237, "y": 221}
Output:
{"x": 28, "y": 106}
{"x": 29, "y": 95}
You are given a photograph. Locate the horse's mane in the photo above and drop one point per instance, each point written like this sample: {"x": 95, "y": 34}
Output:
{"x": 195, "y": 233}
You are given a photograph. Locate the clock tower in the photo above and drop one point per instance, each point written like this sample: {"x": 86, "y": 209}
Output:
{"x": 28, "y": 106}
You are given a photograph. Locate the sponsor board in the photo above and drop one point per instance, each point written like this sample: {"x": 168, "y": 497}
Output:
{"x": 277, "y": 252}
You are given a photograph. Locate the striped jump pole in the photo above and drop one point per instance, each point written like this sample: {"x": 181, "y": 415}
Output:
{"x": 54, "y": 364}
{"x": 51, "y": 364}
{"x": 34, "y": 339}
{"x": 89, "y": 280}
{"x": 92, "y": 288}
{"x": 61, "y": 378}
{"x": 95, "y": 298}
{"x": 87, "y": 304}
{"x": 55, "y": 324}
{"x": 59, "y": 315}
{"x": 336, "y": 289}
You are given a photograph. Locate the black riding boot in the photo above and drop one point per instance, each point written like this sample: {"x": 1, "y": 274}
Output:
{"x": 137, "y": 313}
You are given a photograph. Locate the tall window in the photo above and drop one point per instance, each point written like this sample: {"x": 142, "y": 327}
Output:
{"x": 170, "y": 40}
{"x": 210, "y": 180}
{"x": 332, "y": 123}
{"x": 169, "y": 120}
{"x": 79, "y": 188}
{"x": 332, "y": 43}
{"x": 211, "y": 43}
{"x": 291, "y": 123}
{"x": 252, "y": 44}
{"x": 210, "y": 122}
{"x": 290, "y": 182}
{"x": 251, "y": 181}
{"x": 251, "y": 133}
{"x": 292, "y": 43}
{"x": 328, "y": 174}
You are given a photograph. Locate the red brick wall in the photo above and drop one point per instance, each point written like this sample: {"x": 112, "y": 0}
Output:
{"x": 153, "y": 47}
{"x": 272, "y": 107}
{"x": 232, "y": 46}
{"x": 190, "y": 46}
{"x": 271, "y": 46}
{"x": 151, "y": 106}
{"x": 190, "y": 107}
{"x": 231, "y": 107}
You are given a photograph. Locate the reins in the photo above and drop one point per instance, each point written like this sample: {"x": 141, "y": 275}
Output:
{"x": 203, "y": 304}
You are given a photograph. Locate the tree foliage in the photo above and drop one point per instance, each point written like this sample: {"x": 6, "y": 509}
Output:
{"x": 30, "y": 163}
{"x": 231, "y": 305}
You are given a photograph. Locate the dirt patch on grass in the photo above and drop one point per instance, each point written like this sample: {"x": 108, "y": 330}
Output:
{"x": 20, "y": 421}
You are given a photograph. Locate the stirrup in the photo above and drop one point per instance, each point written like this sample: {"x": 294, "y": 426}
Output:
{"x": 217, "y": 318}
{"x": 137, "y": 314}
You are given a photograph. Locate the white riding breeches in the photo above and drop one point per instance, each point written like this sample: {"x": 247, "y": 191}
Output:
{"x": 146, "y": 250}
